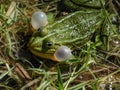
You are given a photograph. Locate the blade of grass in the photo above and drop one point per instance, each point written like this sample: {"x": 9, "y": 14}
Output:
{"x": 5, "y": 73}
{"x": 72, "y": 77}
{"x": 8, "y": 38}
{"x": 106, "y": 14}
{"x": 78, "y": 86}
{"x": 60, "y": 82}
{"x": 11, "y": 12}
{"x": 6, "y": 87}
{"x": 43, "y": 85}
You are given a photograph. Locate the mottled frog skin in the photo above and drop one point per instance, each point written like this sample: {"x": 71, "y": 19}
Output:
{"x": 82, "y": 4}
{"x": 73, "y": 30}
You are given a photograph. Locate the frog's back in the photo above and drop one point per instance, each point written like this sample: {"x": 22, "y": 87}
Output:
{"x": 74, "y": 28}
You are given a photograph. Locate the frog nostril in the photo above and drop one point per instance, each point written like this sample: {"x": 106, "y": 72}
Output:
{"x": 63, "y": 53}
{"x": 39, "y": 19}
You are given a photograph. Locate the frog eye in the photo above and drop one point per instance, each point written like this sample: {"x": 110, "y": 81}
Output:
{"x": 63, "y": 53}
{"x": 39, "y": 19}
{"x": 47, "y": 44}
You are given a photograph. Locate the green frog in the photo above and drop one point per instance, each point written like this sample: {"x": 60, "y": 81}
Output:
{"x": 71, "y": 31}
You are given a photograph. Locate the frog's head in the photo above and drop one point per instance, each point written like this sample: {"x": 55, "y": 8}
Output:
{"x": 43, "y": 45}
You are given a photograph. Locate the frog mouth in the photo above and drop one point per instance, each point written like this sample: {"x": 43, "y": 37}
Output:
{"x": 50, "y": 56}
{"x": 61, "y": 54}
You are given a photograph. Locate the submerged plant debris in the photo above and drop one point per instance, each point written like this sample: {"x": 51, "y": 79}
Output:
{"x": 97, "y": 66}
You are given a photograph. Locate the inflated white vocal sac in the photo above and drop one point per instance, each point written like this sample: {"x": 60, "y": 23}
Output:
{"x": 63, "y": 53}
{"x": 39, "y": 19}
